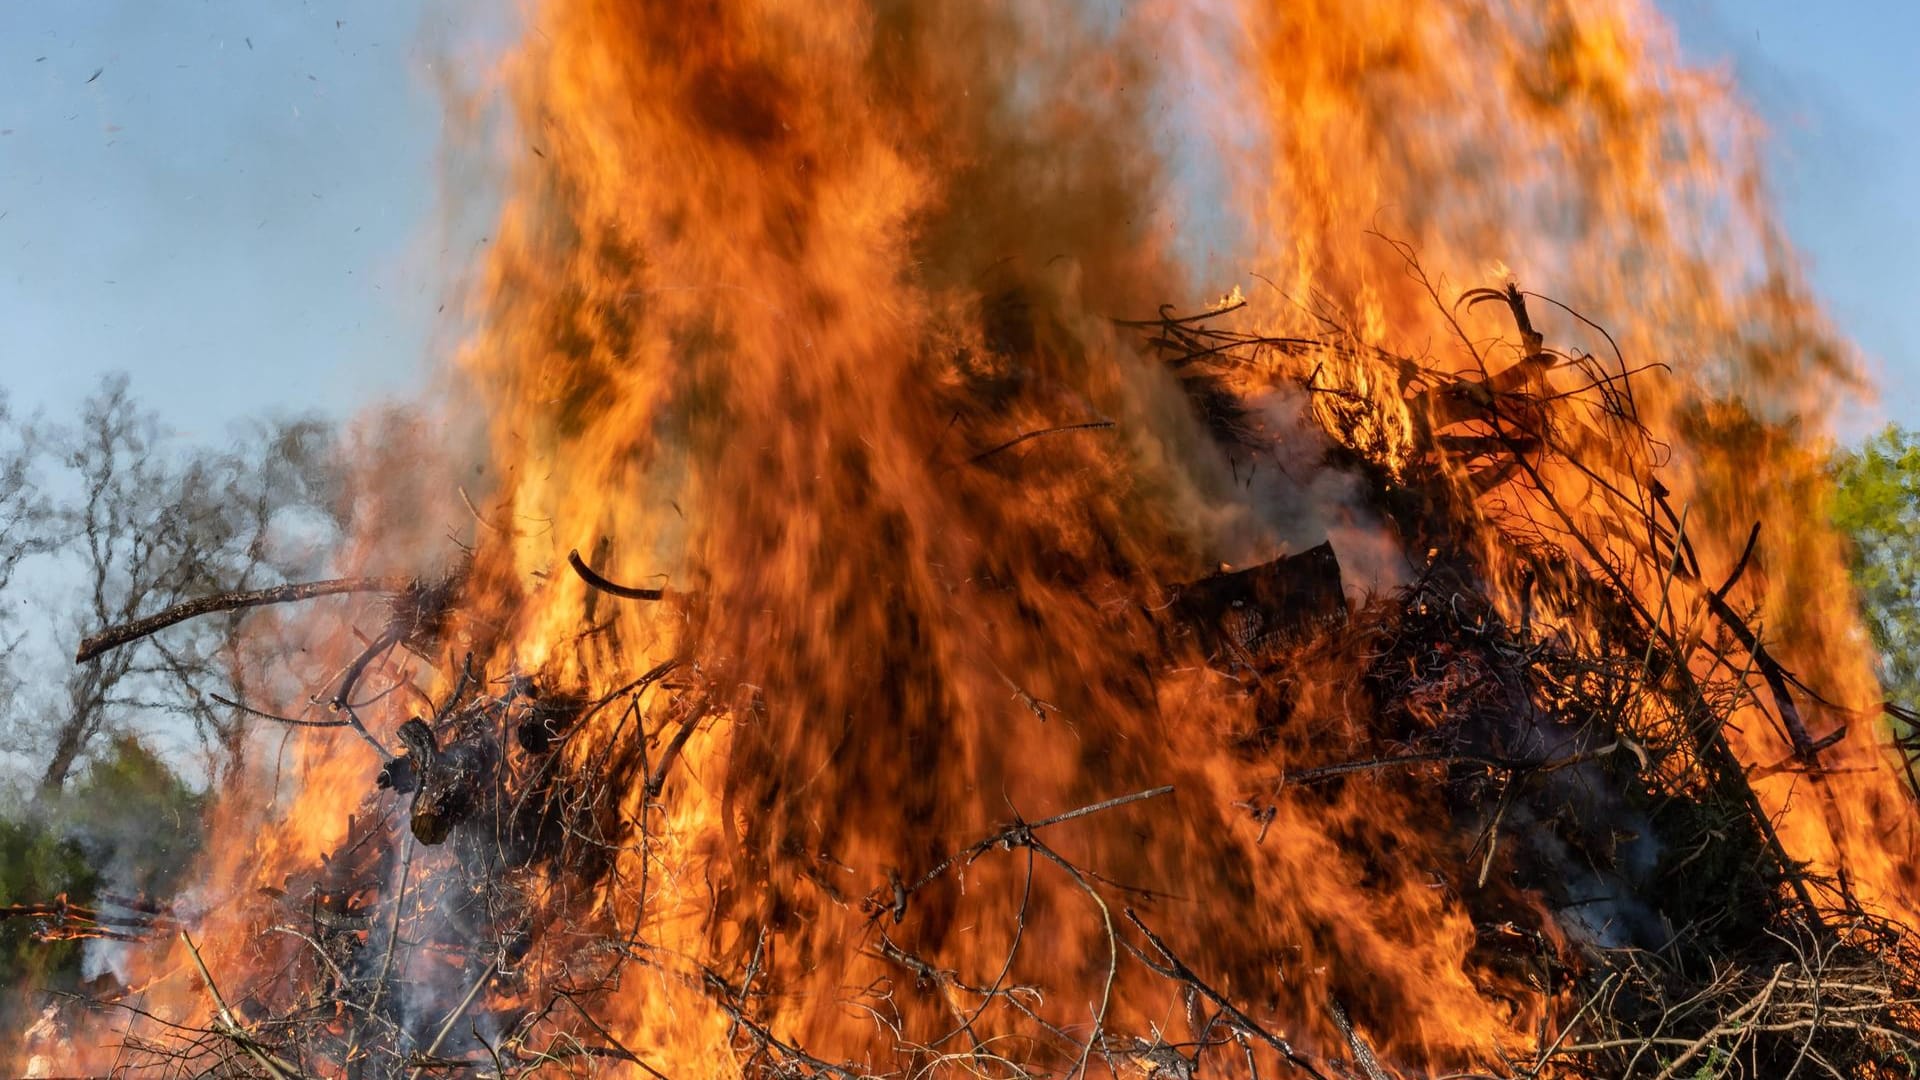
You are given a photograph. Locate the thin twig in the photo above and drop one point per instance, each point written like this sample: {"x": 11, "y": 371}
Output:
{"x": 276, "y": 718}
{"x": 280, "y": 1069}
{"x": 1246, "y": 1023}
{"x": 453, "y": 1015}
{"x": 1024, "y": 436}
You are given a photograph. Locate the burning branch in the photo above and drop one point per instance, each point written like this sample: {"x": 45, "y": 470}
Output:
{"x": 63, "y": 920}
{"x": 1090, "y": 425}
{"x": 280, "y": 1070}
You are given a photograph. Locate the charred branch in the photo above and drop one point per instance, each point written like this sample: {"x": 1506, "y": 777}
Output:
{"x": 588, "y": 575}
{"x": 1027, "y": 436}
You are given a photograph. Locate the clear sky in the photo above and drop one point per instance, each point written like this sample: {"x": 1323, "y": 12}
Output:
{"x": 241, "y": 206}
{"x": 1839, "y": 86}
{"x": 234, "y": 201}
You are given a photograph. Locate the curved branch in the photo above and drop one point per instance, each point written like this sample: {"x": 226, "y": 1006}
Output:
{"x": 588, "y": 575}
{"x": 1024, "y": 436}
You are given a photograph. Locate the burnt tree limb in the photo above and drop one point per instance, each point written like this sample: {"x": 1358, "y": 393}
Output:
{"x": 114, "y": 637}
{"x": 592, "y": 578}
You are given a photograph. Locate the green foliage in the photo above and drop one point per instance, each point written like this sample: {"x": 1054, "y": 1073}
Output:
{"x": 1876, "y": 504}
{"x": 130, "y": 822}
{"x": 37, "y": 864}
{"x": 134, "y": 815}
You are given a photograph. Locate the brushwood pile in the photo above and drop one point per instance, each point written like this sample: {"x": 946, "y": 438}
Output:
{"x": 1611, "y": 853}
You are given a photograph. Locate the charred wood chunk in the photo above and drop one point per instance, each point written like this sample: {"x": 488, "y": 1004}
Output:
{"x": 448, "y": 782}
{"x": 419, "y": 740}
{"x": 450, "y": 792}
{"x": 1264, "y": 607}
{"x": 403, "y": 773}
{"x": 398, "y": 775}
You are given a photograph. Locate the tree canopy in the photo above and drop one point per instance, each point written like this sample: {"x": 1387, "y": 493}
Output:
{"x": 1877, "y": 504}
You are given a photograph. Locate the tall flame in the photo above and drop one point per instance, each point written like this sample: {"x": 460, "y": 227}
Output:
{"x": 1567, "y": 139}
{"x": 782, "y": 268}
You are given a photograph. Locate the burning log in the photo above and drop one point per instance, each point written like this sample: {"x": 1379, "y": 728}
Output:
{"x": 1263, "y": 609}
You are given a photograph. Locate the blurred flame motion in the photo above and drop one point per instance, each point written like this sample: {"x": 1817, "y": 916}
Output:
{"x": 1567, "y": 139}
{"x": 785, "y": 277}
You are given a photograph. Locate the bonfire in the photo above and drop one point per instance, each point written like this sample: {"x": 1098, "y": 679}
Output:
{"x": 888, "y": 642}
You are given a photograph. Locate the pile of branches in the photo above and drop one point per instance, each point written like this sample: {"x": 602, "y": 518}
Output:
{"x": 383, "y": 956}
{"x": 1719, "y": 954}
{"x": 1699, "y": 949}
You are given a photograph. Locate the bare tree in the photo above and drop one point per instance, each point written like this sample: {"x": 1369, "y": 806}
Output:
{"x": 22, "y": 508}
{"x": 24, "y": 517}
{"x": 150, "y": 525}
{"x": 265, "y": 512}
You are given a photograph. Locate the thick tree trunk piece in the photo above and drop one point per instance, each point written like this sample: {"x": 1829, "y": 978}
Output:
{"x": 1265, "y": 606}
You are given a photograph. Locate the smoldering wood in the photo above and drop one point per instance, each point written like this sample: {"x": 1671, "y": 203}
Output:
{"x": 1264, "y": 608}
{"x": 549, "y": 717}
{"x": 449, "y": 787}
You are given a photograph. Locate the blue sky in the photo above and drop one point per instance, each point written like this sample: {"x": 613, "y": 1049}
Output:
{"x": 1839, "y": 86}
{"x": 242, "y": 207}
